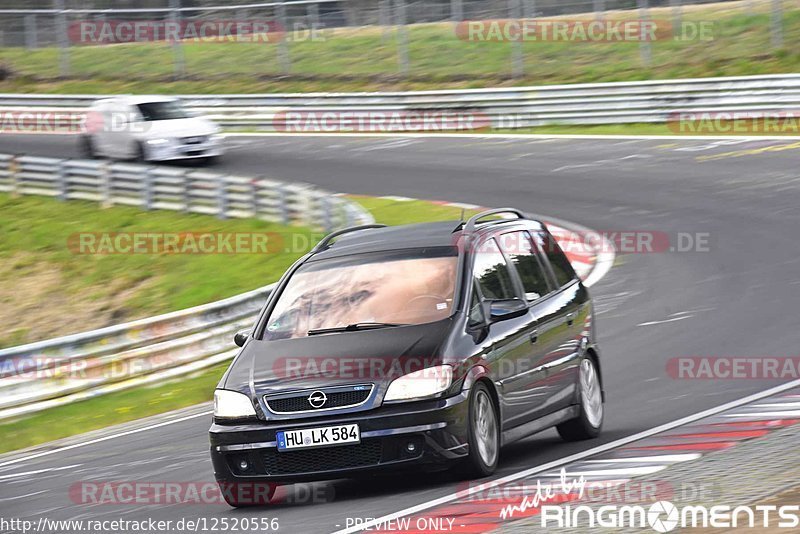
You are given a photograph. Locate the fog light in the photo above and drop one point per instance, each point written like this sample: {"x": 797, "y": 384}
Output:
{"x": 411, "y": 447}
{"x": 244, "y": 465}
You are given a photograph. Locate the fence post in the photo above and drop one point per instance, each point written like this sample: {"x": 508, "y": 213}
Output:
{"x": 677, "y": 17}
{"x": 312, "y": 12}
{"x": 222, "y": 197}
{"x": 31, "y": 37}
{"x": 517, "y": 61}
{"x": 148, "y": 189}
{"x": 63, "y": 38}
{"x": 777, "y": 23}
{"x": 385, "y": 19}
{"x": 599, "y": 9}
{"x": 529, "y": 9}
{"x": 177, "y": 48}
{"x": 456, "y": 10}
{"x": 402, "y": 37}
{"x": 254, "y": 197}
{"x": 187, "y": 197}
{"x": 644, "y": 45}
{"x": 283, "y": 44}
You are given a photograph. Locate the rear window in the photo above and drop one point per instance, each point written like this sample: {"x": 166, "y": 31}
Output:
{"x": 403, "y": 287}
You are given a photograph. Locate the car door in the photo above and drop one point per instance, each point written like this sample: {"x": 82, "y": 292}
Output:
{"x": 563, "y": 319}
{"x": 514, "y": 351}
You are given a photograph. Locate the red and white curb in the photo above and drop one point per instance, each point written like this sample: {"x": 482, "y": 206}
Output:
{"x": 485, "y": 507}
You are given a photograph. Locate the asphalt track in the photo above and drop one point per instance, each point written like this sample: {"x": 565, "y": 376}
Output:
{"x": 735, "y": 299}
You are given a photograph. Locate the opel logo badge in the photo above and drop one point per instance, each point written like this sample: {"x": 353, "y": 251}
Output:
{"x": 317, "y": 399}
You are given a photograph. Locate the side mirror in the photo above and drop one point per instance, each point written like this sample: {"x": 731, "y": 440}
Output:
{"x": 240, "y": 337}
{"x": 501, "y": 310}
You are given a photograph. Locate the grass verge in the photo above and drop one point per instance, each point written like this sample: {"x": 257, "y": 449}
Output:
{"x": 143, "y": 401}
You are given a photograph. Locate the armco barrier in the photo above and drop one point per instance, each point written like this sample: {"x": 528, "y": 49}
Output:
{"x": 48, "y": 373}
{"x": 503, "y": 108}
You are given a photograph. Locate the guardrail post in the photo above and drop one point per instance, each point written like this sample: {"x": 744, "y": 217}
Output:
{"x": 777, "y": 23}
{"x": 283, "y": 44}
{"x": 283, "y": 204}
{"x": 13, "y": 170}
{"x": 456, "y": 10}
{"x": 644, "y": 45}
{"x": 222, "y": 197}
{"x": 529, "y": 9}
{"x": 106, "y": 197}
{"x": 676, "y": 16}
{"x": 186, "y": 193}
{"x": 31, "y": 36}
{"x": 61, "y": 180}
{"x": 385, "y": 19}
{"x": 402, "y": 37}
{"x": 254, "y": 197}
{"x": 148, "y": 189}
{"x": 63, "y": 38}
{"x": 326, "y": 213}
{"x": 599, "y": 9}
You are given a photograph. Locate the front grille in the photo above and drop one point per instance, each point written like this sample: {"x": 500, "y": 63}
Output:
{"x": 336, "y": 398}
{"x": 365, "y": 454}
{"x": 195, "y": 140}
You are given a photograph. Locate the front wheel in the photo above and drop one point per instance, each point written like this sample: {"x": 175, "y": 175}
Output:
{"x": 483, "y": 434}
{"x": 86, "y": 147}
{"x": 590, "y": 420}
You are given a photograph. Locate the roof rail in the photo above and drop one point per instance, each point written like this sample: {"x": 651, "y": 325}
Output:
{"x": 326, "y": 241}
{"x": 473, "y": 221}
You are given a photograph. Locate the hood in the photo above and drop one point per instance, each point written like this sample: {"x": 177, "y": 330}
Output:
{"x": 343, "y": 358}
{"x": 187, "y": 127}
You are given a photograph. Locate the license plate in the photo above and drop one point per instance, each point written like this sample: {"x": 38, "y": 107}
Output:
{"x": 308, "y": 438}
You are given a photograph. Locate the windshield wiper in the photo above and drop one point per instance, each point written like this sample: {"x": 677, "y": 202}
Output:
{"x": 355, "y": 327}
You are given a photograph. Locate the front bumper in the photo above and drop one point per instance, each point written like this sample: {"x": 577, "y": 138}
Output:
{"x": 177, "y": 150}
{"x": 436, "y": 428}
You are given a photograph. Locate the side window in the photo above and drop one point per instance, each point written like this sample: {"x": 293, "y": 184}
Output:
{"x": 491, "y": 272}
{"x": 558, "y": 260}
{"x": 519, "y": 248}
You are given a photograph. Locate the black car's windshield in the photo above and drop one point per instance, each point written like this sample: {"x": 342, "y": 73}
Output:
{"x": 366, "y": 291}
{"x": 162, "y": 111}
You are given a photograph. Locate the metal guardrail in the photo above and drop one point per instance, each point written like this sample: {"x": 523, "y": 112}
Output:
{"x": 656, "y": 101}
{"x": 75, "y": 367}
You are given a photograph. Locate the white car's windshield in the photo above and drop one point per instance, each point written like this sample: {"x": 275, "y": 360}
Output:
{"x": 162, "y": 111}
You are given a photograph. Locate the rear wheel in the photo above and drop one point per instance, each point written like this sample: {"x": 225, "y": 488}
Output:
{"x": 483, "y": 434}
{"x": 590, "y": 420}
{"x": 247, "y": 494}
{"x": 86, "y": 147}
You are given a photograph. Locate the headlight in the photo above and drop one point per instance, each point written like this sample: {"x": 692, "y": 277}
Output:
{"x": 420, "y": 384}
{"x": 232, "y": 405}
{"x": 157, "y": 142}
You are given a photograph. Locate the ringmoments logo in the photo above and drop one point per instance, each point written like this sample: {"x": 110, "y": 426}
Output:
{"x": 664, "y": 516}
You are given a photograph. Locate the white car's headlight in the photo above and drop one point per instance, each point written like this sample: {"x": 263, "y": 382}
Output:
{"x": 157, "y": 142}
{"x": 420, "y": 384}
{"x": 232, "y": 405}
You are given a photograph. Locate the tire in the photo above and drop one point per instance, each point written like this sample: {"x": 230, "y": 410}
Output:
{"x": 483, "y": 429}
{"x": 86, "y": 147}
{"x": 141, "y": 152}
{"x": 589, "y": 422}
{"x": 211, "y": 160}
{"x": 247, "y": 494}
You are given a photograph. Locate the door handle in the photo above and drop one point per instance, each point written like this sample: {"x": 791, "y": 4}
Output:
{"x": 570, "y": 318}
{"x": 534, "y": 336}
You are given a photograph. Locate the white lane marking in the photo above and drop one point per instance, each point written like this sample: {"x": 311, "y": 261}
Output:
{"x": 628, "y": 471}
{"x": 682, "y": 317}
{"x": 519, "y": 136}
{"x": 641, "y": 459}
{"x": 104, "y": 438}
{"x": 569, "y": 459}
{"x": 38, "y": 471}
{"x": 780, "y": 405}
{"x": 786, "y": 415}
{"x": 23, "y": 496}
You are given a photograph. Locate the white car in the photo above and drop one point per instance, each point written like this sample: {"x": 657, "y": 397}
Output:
{"x": 148, "y": 128}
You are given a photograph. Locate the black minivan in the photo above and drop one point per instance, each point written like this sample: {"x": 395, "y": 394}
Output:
{"x": 429, "y": 344}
